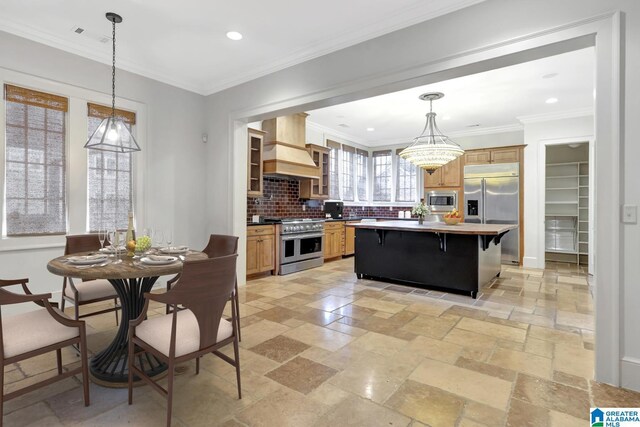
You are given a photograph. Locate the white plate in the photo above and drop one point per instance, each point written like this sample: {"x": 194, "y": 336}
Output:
{"x": 111, "y": 249}
{"x": 158, "y": 260}
{"x": 175, "y": 250}
{"x": 87, "y": 259}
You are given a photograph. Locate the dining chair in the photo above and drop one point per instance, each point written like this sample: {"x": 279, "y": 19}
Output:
{"x": 219, "y": 245}
{"x": 29, "y": 334}
{"x": 204, "y": 289}
{"x": 86, "y": 292}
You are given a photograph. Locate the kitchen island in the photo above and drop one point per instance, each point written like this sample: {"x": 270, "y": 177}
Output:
{"x": 461, "y": 257}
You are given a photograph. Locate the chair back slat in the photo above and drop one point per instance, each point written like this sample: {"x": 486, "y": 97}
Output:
{"x": 221, "y": 245}
{"x": 81, "y": 243}
{"x": 205, "y": 286}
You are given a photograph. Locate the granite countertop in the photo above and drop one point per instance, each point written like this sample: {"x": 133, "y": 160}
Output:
{"x": 437, "y": 227}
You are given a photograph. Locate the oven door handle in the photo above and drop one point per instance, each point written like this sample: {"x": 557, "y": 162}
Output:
{"x": 300, "y": 236}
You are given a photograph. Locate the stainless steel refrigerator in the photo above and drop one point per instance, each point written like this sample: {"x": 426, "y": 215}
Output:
{"x": 492, "y": 196}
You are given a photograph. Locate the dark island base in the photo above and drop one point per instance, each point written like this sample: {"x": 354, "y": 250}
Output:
{"x": 457, "y": 263}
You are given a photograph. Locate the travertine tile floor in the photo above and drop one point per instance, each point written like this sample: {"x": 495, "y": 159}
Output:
{"x": 324, "y": 349}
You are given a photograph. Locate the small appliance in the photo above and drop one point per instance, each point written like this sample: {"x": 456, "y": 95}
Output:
{"x": 334, "y": 209}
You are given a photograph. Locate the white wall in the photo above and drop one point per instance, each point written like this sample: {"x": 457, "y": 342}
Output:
{"x": 365, "y": 69}
{"x": 174, "y": 155}
{"x": 534, "y": 135}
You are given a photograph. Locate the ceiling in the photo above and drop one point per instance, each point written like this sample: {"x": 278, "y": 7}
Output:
{"x": 496, "y": 100}
{"x": 184, "y": 43}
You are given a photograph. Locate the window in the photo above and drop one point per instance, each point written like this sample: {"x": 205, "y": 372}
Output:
{"x": 361, "y": 174}
{"x": 347, "y": 172}
{"x": 382, "y": 176}
{"x": 406, "y": 181}
{"x": 35, "y": 182}
{"x": 334, "y": 187}
{"x": 110, "y": 183}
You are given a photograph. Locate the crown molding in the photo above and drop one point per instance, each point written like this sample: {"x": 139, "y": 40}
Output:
{"x": 559, "y": 115}
{"x": 400, "y": 19}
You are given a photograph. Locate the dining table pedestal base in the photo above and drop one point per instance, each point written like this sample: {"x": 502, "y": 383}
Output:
{"x": 109, "y": 367}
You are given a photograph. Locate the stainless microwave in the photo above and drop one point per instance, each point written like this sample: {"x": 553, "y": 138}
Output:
{"x": 441, "y": 201}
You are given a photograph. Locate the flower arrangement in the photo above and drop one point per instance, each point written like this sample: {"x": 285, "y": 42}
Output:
{"x": 420, "y": 210}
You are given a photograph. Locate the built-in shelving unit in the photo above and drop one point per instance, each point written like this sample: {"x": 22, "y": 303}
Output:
{"x": 567, "y": 211}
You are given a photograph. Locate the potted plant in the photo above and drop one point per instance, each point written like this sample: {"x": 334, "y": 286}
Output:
{"x": 421, "y": 210}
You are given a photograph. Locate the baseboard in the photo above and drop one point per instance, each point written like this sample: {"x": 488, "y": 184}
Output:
{"x": 630, "y": 373}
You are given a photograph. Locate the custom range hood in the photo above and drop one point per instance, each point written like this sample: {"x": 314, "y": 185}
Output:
{"x": 284, "y": 151}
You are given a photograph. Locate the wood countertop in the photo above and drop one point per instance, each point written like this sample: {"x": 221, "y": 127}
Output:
{"x": 436, "y": 227}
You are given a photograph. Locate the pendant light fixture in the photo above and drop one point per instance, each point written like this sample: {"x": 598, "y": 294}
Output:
{"x": 431, "y": 149}
{"x": 112, "y": 134}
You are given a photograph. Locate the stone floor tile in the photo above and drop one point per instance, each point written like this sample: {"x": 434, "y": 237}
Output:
{"x": 302, "y": 375}
{"x": 491, "y": 329}
{"x": 356, "y": 411}
{"x": 483, "y": 414}
{"x": 609, "y": 396}
{"x": 38, "y": 414}
{"x": 353, "y": 311}
{"x": 577, "y": 320}
{"x": 378, "y": 305}
{"x": 522, "y": 362}
{"x": 552, "y": 395}
{"x": 464, "y": 382}
{"x": 434, "y": 327}
{"x": 318, "y": 336}
{"x": 523, "y": 414}
{"x": 435, "y": 349}
{"x": 573, "y": 360}
{"x": 427, "y": 404}
{"x": 283, "y": 408}
{"x": 330, "y": 303}
{"x": 558, "y": 419}
{"x": 280, "y": 348}
{"x": 380, "y": 344}
{"x": 485, "y": 368}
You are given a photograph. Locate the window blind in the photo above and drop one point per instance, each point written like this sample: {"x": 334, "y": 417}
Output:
{"x": 348, "y": 153}
{"x": 406, "y": 180}
{"x": 334, "y": 186}
{"x": 382, "y": 176}
{"x": 110, "y": 177}
{"x": 362, "y": 158}
{"x": 35, "y": 162}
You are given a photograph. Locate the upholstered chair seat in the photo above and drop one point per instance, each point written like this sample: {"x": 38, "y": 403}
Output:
{"x": 156, "y": 332}
{"x": 91, "y": 290}
{"x": 29, "y": 331}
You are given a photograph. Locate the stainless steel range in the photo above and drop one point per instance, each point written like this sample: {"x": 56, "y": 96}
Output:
{"x": 301, "y": 244}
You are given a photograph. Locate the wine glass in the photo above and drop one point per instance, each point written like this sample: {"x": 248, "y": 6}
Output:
{"x": 102, "y": 235}
{"x": 120, "y": 237}
{"x": 111, "y": 238}
{"x": 158, "y": 238}
{"x": 169, "y": 237}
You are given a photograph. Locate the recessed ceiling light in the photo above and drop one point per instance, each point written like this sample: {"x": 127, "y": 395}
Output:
{"x": 549, "y": 76}
{"x": 446, "y": 118}
{"x": 370, "y": 129}
{"x": 234, "y": 35}
{"x": 551, "y": 100}
{"x": 475, "y": 125}
{"x": 343, "y": 125}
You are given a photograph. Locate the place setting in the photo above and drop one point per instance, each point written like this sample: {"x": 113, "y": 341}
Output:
{"x": 88, "y": 261}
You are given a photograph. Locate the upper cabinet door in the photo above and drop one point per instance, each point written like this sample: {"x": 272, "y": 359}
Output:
{"x": 451, "y": 173}
{"x": 506, "y": 155}
{"x": 434, "y": 179}
{"x": 477, "y": 157}
{"x": 254, "y": 162}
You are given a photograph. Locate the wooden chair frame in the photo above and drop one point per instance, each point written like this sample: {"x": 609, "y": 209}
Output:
{"x": 207, "y": 302}
{"x": 214, "y": 249}
{"x": 84, "y": 243}
{"x": 7, "y": 297}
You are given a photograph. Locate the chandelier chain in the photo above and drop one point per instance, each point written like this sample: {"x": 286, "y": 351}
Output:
{"x": 113, "y": 71}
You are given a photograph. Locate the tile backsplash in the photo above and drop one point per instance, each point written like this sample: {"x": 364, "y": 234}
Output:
{"x": 280, "y": 200}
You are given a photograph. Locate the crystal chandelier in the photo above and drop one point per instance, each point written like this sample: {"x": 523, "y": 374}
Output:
{"x": 431, "y": 149}
{"x": 113, "y": 134}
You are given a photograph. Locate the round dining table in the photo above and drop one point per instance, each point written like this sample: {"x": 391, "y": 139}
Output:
{"x": 131, "y": 279}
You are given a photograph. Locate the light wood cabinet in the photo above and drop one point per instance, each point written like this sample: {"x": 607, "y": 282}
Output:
{"x": 349, "y": 240}
{"x": 317, "y": 189}
{"x": 254, "y": 162}
{"x": 493, "y": 155}
{"x": 260, "y": 249}
{"x": 333, "y": 239}
{"x": 449, "y": 175}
